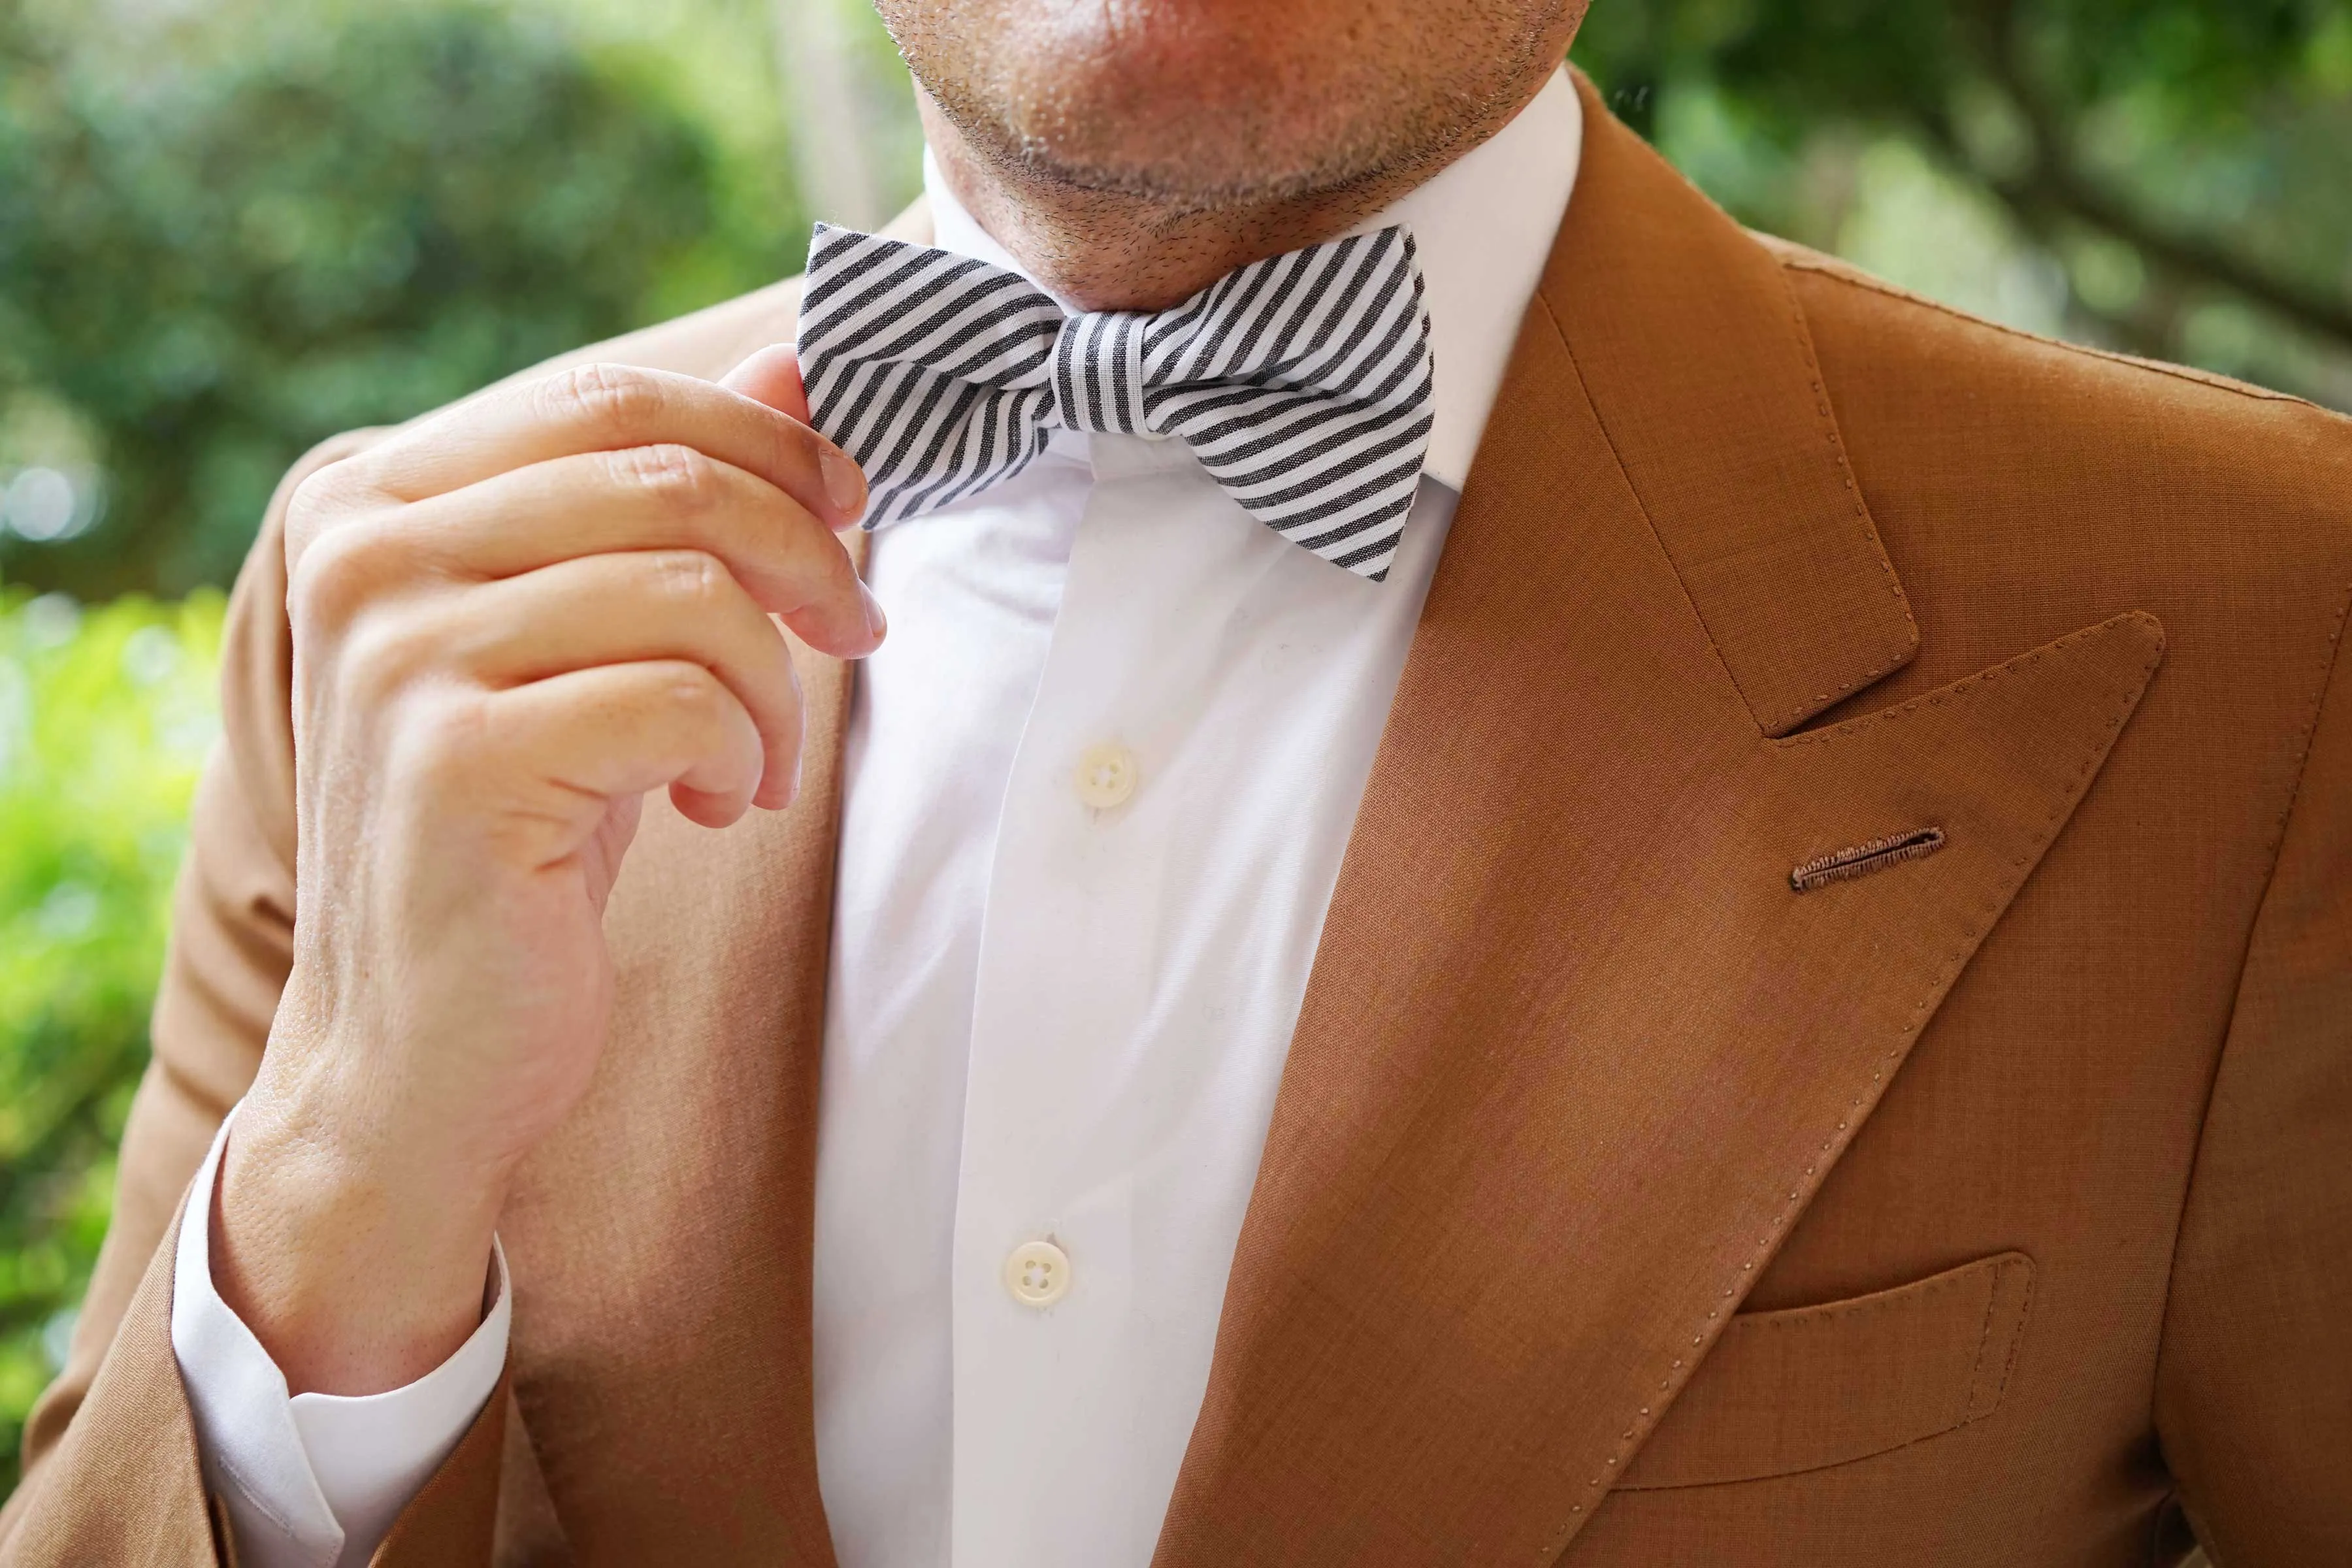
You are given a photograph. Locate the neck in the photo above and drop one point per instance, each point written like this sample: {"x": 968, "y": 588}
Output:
{"x": 1114, "y": 250}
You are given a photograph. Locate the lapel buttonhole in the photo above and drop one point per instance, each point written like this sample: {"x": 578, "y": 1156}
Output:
{"x": 1862, "y": 859}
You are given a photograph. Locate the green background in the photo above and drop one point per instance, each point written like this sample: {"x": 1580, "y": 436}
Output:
{"x": 229, "y": 228}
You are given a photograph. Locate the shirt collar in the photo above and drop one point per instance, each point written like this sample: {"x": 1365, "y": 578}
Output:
{"x": 1483, "y": 227}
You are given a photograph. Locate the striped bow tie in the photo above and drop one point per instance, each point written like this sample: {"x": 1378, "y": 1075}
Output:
{"x": 1301, "y": 383}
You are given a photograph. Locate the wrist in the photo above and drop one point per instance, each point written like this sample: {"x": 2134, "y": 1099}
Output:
{"x": 359, "y": 1263}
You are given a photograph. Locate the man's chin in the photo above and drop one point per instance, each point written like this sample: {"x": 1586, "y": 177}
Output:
{"x": 1204, "y": 104}
{"x": 1149, "y": 137}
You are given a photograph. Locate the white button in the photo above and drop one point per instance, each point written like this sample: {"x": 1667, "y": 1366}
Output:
{"x": 1038, "y": 1274}
{"x": 1107, "y": 775}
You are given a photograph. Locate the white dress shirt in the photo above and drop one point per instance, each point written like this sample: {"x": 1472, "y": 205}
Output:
{"x": 1097, "y": 788}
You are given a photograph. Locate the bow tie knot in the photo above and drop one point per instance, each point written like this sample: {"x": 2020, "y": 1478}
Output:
{"x": 1098, "y": 376}
{"x": 1302, "y": 383}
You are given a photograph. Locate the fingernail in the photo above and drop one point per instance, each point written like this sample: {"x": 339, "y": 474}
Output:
{"x": 875, "y": 621}
{"x": 843, "y": 485}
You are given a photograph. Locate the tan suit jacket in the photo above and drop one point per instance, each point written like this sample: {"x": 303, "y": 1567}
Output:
{"x": 1622, "y": 1205}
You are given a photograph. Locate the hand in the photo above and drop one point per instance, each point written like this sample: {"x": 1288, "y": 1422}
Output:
{"x": 510, "y": 622}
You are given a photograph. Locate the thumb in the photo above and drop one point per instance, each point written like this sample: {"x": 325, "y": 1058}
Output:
{"x": 772, "y": 376}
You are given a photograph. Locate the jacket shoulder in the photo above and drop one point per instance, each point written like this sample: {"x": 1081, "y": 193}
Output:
{"x": 1937, "y": 405}
{"x": 1833, "y": 285}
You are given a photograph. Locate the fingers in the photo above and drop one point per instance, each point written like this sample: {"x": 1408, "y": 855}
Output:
{"x": 621, "y": 609}
{"x": 618, "y": 729}
{"x": 610, "y": 408}
{"x": 600, "y": 541}
{"x": 652, "y": 498}
{"x": 772, "y": 376}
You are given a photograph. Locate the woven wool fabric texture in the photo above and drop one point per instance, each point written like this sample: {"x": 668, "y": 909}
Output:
{"x": 1760, "y": 559}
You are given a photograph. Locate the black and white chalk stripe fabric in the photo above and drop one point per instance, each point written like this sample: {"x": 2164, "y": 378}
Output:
{"x": 1302, "y": 382}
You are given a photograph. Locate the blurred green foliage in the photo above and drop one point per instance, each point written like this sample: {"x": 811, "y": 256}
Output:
{"x": 104, "y": 718}
{"x": 206, "y": 268}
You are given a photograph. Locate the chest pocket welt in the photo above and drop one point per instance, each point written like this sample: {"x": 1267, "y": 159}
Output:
{"x": 1813, "y": 1386}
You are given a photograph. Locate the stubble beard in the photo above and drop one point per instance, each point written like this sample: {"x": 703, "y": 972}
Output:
{"x": 1066, "y": 115}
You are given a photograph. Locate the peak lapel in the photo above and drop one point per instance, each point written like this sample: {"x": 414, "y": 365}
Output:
{"x": 1703, "y": 376}
{"x": 1575, "y": 1053}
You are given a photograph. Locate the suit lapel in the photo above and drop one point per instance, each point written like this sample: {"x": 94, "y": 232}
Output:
{"x": 1575, "y": 1053}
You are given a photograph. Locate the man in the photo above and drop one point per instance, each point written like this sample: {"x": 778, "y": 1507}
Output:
{"x": 1693, "y": 912}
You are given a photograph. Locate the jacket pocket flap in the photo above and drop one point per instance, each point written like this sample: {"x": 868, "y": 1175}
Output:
{"x": 1811, "y": 1387}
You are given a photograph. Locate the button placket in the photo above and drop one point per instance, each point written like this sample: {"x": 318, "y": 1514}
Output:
{"x": 1056, "y": 1119}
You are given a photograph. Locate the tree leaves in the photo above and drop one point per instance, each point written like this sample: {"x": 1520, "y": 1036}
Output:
{"x": 345, "y": 225}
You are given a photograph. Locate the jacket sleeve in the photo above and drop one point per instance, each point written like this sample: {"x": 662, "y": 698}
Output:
{"x": 2255, "y": 1381}
{"x": 112, "y": 1471}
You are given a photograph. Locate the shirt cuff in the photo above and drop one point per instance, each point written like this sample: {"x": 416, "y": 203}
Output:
{"x": 316, "y": 1481}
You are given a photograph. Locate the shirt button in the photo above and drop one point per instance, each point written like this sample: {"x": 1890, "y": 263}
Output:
{"x": 1107, "y": 775}
{"x": 1038, "y": 1274}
